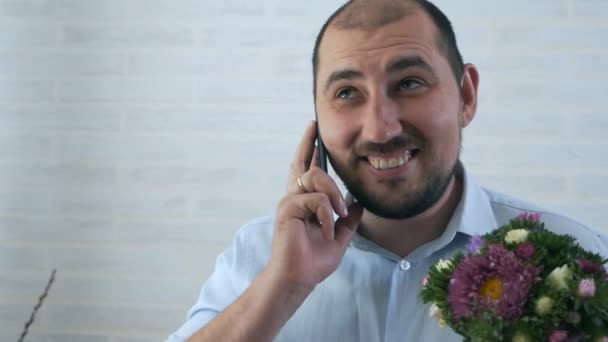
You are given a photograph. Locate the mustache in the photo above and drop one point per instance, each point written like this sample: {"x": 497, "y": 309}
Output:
{"x": 395, "y": 144}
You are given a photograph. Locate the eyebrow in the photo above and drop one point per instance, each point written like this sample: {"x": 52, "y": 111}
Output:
{"x": 344, "y": 74}
{"x": 397, "y": 65}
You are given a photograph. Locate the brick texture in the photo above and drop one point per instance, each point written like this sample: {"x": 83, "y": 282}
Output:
{"x": 138, "y": 135}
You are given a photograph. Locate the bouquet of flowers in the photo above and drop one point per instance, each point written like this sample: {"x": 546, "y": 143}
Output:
{"x": 520, "y": 283}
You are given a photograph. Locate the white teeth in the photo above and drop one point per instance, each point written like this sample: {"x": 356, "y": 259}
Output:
{"x": 382, "y": 164}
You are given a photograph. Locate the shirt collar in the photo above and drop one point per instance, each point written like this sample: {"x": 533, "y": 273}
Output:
{"x": 474, "y": 214}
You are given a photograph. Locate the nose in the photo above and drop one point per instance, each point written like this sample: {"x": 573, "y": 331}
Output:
{"x": 381, "y": 121}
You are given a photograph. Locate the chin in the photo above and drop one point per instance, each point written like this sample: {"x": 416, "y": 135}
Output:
{"x": 399, "y": 199}
{"x": 400, "y": 208}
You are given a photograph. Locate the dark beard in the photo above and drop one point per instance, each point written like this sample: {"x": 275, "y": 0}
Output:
{"x": 410, "y": 206}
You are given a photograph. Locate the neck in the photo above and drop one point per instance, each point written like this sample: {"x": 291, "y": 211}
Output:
{"x": 403, "y": 236}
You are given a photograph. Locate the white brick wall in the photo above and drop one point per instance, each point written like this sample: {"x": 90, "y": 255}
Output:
{"x": 137, "y": 135}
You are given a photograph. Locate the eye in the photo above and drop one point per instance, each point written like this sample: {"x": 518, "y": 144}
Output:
{"x": 346, "y": 93}
{"x": 408, "y": 83}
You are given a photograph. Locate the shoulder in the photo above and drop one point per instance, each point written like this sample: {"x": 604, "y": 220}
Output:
{"x": 256, "y": 232}
{"x": 251, "y": 247}
{"x": 506, "y": 207}
{"x": 235, "y": 269}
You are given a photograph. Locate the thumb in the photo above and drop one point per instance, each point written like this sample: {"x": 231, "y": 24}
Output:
{"x": 349, "y": 198}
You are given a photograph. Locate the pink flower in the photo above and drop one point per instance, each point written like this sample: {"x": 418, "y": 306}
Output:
{"x": 587, "y": 266}
{"x": 525, "y": 250}
{"x": 586, "y": 288}
{"x": 498, "y": 281}
{"x": 533, "y": 217}
{"x": 602, "y": 339}
{"x": 558, "y": 336}
{"x": 425, "y": 280}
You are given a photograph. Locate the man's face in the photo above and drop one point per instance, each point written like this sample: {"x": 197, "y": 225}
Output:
{"x": 390, "y": 114}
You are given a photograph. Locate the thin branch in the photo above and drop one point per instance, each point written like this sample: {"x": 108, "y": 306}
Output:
{"x": 40, "y": 300}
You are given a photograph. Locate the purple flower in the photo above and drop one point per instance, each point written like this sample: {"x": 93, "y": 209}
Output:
{"x": 532, "y": 217}
{"x": 602, "y": 339}
{"x": 558, "y": 336}
{"x": 587, "y": 266}
{"x": 475, "y": 244}
{"x": 586, "y": 288}
{"x": 525, "y": 250}
{"x": 498, "y": 281}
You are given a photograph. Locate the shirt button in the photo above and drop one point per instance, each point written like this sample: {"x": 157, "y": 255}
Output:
{"x": 404, "y": 265}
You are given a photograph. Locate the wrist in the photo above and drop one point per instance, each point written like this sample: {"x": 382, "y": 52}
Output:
{"x": 285, "y": 288}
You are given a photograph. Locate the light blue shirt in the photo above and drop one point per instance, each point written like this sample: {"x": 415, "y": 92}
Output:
{"x": 374, "y": 294}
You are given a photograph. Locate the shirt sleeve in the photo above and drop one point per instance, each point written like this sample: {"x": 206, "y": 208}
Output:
{"x": 224, "y": 286}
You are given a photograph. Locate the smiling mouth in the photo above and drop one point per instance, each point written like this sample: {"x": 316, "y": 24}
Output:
{"x": 395, "y": 161}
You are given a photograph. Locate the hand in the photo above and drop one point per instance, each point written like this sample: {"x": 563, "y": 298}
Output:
{"x": 308, "y": 245}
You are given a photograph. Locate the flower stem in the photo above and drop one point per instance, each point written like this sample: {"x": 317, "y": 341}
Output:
{"x": 40, "y": 300}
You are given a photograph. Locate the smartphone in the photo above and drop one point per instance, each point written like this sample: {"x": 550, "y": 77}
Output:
{"x": 321, "y": 146}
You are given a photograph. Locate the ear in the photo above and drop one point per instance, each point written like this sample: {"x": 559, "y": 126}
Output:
{"x": 468, "y": 92}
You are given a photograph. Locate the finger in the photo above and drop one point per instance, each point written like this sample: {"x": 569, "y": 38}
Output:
{"x": 317, "y": 180}
{"x": 316, "y": 158}
{"x": 305, "y": 150}
{"x": 302, "y": 158}
{"x": 346, "y": 227}
{"x": 307, "y": 207}
{"x": 324, "y": 216}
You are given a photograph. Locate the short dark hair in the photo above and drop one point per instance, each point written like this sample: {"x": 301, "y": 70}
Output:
{"x": 446, "y": 39}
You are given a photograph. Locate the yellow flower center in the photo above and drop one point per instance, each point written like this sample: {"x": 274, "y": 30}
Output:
{"x": 491, "y": 289}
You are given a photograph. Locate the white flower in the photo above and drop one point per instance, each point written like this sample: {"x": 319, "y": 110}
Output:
{"x": 443, "y": 264}
{"x": 521, "y": 338}
{"x": 544, "y": 305}
{"x": 558, "y": 277}
{"x": 516, "y": 236}
{"x": 442, "y": 323}
{"x": 435, "y": 312}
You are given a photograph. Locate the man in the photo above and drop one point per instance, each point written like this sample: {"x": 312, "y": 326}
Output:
{"x": 392, "y": 96}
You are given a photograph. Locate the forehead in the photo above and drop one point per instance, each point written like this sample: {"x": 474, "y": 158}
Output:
{"x": 414, "y": 34}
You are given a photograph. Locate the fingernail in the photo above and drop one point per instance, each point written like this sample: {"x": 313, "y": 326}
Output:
{"x": 344, "y": 208}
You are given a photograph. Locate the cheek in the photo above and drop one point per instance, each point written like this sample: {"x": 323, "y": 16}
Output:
{"x": 444, "y": 127}
{"x": 439, "y": 124}
{"x": 337, "y": 130}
